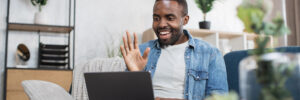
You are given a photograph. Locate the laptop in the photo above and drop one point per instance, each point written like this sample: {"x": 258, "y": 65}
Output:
{"x": 119, "y": 86}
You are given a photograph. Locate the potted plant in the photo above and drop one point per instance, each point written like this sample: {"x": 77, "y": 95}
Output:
{"x": 39, "y": 16}
{"x": 263, "y": 76}
{"x": 205, "y": 6}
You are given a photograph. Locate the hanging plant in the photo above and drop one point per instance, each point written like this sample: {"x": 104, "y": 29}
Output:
{"x": 39, "y": 3}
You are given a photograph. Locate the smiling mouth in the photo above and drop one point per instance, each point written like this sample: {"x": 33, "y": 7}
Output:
{"x": 164, "y": 35}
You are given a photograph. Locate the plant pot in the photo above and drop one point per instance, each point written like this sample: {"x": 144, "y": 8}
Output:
{"x": 256, "y": 77}
{"x": 40, "y": 18}
{"x": 204, "y": 25}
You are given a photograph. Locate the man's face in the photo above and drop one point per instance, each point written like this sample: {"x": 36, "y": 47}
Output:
{"x": 168, "y": 21}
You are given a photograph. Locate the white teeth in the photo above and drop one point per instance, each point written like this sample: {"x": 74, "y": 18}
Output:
{"x": 162, "y": 33}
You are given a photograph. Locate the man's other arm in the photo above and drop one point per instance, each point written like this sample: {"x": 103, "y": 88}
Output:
{"x": 217, "y": 79}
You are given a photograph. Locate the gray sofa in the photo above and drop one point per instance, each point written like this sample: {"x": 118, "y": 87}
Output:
{"x": 41, "y": 90}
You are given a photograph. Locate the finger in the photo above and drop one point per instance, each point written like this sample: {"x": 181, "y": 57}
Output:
{"x": 130, "y": 45}
{"x": 123, "y": 51}
{"x": 136, "y": 46}
{"x": 125, "y": 45}
{"x": 146, "y": 52}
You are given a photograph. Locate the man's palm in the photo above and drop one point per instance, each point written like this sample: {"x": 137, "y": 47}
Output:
{"x": 132, "y": 56}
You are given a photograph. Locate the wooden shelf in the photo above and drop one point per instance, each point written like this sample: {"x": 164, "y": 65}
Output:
{"x": 225, "y": 41}
{"x": 38, "y": 27}
{"x": 227, "y": 35}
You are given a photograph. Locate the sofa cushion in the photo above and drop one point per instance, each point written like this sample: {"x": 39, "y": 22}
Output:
{"x": 43, "y": 90}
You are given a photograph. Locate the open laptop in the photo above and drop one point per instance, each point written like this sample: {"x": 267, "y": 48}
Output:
{"x": 119, "y": 86}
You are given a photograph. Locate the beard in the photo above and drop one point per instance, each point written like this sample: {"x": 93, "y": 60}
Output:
{"x": 175, "y": 35}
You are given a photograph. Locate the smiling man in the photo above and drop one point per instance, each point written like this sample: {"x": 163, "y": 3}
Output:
{"x": 181, "y": 66}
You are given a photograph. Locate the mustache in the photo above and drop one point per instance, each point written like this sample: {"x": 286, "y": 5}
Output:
{"x": 164, "y": 29}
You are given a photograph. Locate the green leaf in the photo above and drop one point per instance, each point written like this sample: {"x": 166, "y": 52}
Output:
{"x": 43, "y": 2}
{"x": 205, "y": 5}
{"x": 251, "y": 17}
{"x": 269, "y": 29}
{"x": 34, "y": 2}
{"x": 280, "y": 28}
{"x": 39, "y": 1}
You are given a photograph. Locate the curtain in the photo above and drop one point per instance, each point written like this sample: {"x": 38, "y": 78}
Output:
{"x": 293, "y": 21}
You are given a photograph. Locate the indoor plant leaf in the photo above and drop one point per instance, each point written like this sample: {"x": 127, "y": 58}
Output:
{"x": 34, "y": 2}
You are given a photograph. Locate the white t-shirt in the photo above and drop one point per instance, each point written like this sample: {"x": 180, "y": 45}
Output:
{"x": 169, "y": 77}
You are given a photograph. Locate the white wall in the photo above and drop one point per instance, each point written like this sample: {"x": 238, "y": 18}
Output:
{"x": 223, "y": 16}
{"x": 98, "y": 22}
{"x": 22, "y": 11}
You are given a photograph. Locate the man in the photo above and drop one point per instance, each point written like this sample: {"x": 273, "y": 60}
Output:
{"x": 181, "y": 67}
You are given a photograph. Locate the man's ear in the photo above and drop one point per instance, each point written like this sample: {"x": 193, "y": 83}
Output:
{"x": 186, "y": 19}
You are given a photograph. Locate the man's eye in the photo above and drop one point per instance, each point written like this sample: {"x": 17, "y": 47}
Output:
{"x": 171, "y": 18}
{"x": 155, "y": 19}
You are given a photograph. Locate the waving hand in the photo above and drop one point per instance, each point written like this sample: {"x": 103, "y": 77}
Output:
{"x": 131, "y": 54}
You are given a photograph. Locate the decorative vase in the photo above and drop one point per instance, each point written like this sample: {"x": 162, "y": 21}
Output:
{"x": 204, "y": 25}
{"x": 40, "y": 18}
{"x": 273, "y": 76}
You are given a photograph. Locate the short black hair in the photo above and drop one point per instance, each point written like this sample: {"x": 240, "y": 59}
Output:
{"x": 182, "y": 3}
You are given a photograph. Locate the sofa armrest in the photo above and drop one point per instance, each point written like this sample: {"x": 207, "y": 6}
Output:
{"x": 42, "y": 90}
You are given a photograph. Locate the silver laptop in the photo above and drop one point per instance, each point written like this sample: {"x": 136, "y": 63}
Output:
{"x": 119, "y": 86}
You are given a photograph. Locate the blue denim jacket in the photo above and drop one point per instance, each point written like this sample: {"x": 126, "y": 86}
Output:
{"x": 205, "y": 68}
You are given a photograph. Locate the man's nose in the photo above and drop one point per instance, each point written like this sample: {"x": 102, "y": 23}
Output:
{"x": 163, "y": 23}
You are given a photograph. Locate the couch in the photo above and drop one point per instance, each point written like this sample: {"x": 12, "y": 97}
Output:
{"x": 233, "y": 59}
{"x": 41, "y": 90}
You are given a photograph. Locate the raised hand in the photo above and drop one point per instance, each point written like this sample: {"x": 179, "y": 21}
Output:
{"x": 131, "y": 54}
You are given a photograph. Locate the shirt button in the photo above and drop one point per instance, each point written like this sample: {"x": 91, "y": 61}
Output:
{"x": 187, "y": 56}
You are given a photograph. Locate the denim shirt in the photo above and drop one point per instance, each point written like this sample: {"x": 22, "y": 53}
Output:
{"x": 205, "y": 67}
